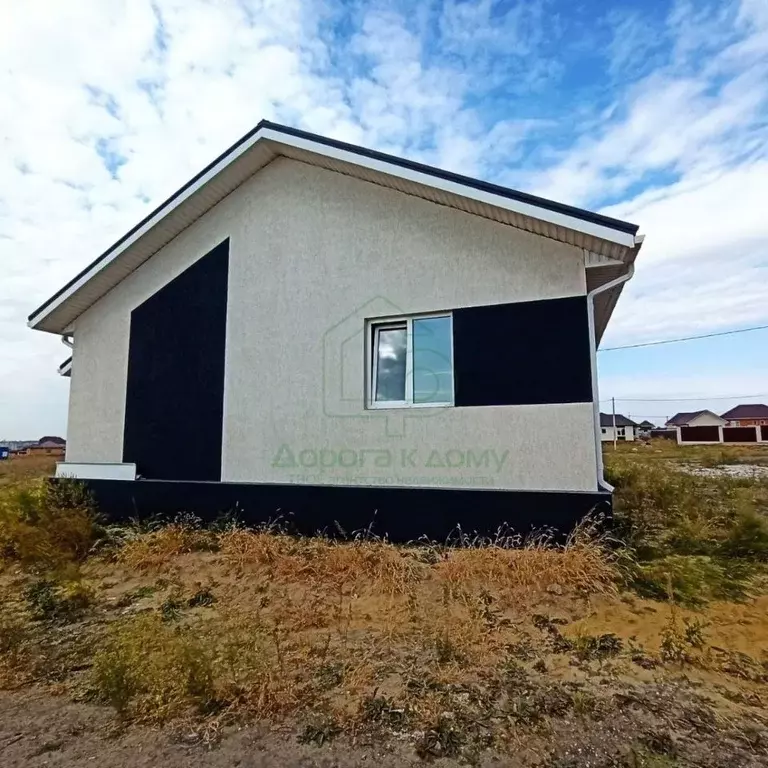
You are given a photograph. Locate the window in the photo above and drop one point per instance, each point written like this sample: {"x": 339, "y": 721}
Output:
{"x": 620, "y": 431}
{"x": 604, "y": 430}
{"x": 736, "y": 423}
{"x": 411, "y": 362}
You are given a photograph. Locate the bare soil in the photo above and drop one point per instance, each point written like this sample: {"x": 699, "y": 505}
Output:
{"x": 654, "y": 727}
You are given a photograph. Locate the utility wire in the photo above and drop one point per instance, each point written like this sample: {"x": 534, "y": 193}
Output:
{"x": 685, "y": 338}
{"x": 680, "y": 399}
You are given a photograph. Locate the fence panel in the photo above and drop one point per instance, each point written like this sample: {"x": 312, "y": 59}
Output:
{"x": 699, "y": 434}
{"x": 739, "y": 434}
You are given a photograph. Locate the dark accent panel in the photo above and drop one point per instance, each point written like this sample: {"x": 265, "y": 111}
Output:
{"x": 764, "y": 432}
{"x": 531, "y": 352}
{"x": 697, "y": 434}
{"x": 739, "y": 434}
{"x": 403, "y": 514}
{"x": 175, "y": 396}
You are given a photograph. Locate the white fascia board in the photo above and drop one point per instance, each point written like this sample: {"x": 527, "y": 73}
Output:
{"x": 516, "y": 206}
{"x": 525, "y": 209}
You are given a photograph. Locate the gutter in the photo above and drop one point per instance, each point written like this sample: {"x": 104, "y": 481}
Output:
{"x": 601, "y": 482}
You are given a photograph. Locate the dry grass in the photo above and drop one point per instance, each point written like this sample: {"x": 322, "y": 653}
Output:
{"x": 45, "y": 527}
{"x": 157, "y": 549}
{"x": 582, "y": 564}
{"x": 459, "y": 647}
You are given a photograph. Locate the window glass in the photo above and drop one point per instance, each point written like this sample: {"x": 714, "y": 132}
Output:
{"x": 390, "y": 364}
{"x": 432, "y": 360}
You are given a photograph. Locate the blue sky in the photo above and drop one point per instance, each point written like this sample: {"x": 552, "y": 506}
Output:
{"x": 653, "y": 111}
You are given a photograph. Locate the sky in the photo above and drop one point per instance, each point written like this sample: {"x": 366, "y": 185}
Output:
{"x": 653, "y": 111}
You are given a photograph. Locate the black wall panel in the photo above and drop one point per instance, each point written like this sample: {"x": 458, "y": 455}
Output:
{"x": 402, "y": 514}
{"x": 524, "y": 353}
{"x": 175, "y": 395}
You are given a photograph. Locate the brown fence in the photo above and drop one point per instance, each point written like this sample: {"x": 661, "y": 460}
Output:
{"x": 739, "y": 434}
{"x": 666, "y": 434}
{"x": 764, "y": 430}
{"x": 699, "y": 434}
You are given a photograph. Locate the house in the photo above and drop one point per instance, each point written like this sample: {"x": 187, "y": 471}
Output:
{"x": 748, "y": 415}
{"x": 5, "y": 452}
{"x": 46, "y": 446}
{"x": 696, "y": 419}
{"x": 50, "y": 441}
{"x": 644, "y": 429}
{"x": 626, "y": 429}
{"x": 343, "y": 339}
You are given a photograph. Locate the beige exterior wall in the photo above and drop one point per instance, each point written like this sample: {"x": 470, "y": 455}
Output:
{"x": 312, "y": 255}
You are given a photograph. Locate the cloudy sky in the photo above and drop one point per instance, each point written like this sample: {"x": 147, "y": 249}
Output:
{"x": 655, "y": 111}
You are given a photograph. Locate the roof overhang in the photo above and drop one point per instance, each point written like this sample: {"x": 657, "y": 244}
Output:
{"x": 603, "y": 237}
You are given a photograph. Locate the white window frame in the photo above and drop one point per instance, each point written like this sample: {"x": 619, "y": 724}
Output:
{"x": 376, "y": 324}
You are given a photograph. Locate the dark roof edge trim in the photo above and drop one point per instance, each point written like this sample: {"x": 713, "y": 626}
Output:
{"x": 467, "y": 181}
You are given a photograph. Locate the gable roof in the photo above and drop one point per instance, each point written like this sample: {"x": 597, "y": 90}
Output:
{"x": 684, "y": 417}
{"x": 647, "y": 424}
{"x": 747, "y": 411}
{"x": 52, "y": 439}
{"x": 606, "y": 420}
{"x": 611, "y": 241}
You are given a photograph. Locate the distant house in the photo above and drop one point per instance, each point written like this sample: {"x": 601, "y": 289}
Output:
{"x": 644, "y": 428}
{"x": 49, "y": 445}
{"x": 51, "y": 441}
{"x": 626, "y": 429}
{"x": 696, "y": 419}
{"x": 5, "y": 452}
{"x": 748, "y": 415}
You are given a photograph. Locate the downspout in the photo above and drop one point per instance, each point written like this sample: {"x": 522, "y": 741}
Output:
{"x": 601, "y": 482}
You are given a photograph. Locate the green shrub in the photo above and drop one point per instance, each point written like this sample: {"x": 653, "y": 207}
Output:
{"x": 692, "y": 579}
{"x": 660, "y": 511}
{"x": 46, "y": 525}
{"x": 149, "y": 670}
{"x": 49, "y": 600}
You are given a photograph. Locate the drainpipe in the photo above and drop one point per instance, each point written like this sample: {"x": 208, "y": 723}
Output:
{"x": 66, "y": 340}
{"x": 601, "y": 482}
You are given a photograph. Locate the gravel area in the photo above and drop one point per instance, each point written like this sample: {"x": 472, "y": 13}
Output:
{"x": 749, "y": 471}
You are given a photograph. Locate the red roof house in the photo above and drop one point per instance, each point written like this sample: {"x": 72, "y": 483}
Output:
{"x": 747, "y": 415}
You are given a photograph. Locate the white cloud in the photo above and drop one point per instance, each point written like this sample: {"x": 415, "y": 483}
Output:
{"x": 108, "y": 106}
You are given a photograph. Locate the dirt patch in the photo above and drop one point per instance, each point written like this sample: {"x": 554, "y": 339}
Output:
{"x": 657, "y": 728}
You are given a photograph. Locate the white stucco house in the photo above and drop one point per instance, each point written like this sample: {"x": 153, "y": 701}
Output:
{"x": 702, "y": 418}
{"x": 322, "y": 332}
{"x": 626, "y": 429}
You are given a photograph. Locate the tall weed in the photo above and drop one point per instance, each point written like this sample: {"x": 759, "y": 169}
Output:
{"x": 45, "y": 525}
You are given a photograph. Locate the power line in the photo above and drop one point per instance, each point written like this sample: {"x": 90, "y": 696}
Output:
{"x": 685, "y": 338}
{"x": 680, "y": 399}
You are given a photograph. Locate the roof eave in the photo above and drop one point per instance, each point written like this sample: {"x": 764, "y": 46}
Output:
{"x": 48, "y": 316}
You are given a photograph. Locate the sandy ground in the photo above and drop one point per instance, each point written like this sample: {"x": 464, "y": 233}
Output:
{"x": 38, "y": 730}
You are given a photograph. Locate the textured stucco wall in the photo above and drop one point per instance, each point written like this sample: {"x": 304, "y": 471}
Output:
{"x": 312, "y": 254}
{"x": 706, "y": 420}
